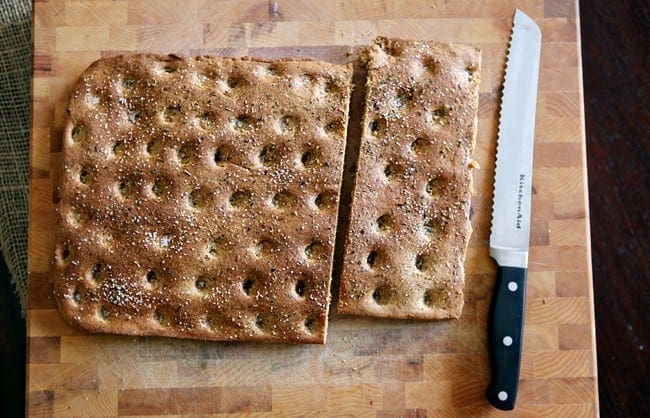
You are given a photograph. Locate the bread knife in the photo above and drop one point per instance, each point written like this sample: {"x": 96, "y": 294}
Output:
{"x": 510, "y": 233}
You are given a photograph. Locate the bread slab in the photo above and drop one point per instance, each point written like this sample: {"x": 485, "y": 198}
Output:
{"x": 409, "y": 223}
{"x": 199, "y": 197}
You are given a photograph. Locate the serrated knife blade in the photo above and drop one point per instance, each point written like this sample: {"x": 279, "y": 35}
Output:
{"x": 510, "y": 234}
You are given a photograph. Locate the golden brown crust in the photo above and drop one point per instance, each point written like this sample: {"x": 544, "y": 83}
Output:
{"x": 409, "y": 224}
{"x": 199, "y": 197}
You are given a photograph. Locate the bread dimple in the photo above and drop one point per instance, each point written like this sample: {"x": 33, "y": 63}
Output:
{"x": 199, "y": 197}
{"x": 409, "y": 223}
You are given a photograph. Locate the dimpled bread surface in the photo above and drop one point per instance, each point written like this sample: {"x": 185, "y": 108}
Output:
{"x": 409, "y": 223}
{"x": 199, "y": 197}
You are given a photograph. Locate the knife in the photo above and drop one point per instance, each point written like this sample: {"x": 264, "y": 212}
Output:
{"x": 511, "y": 210}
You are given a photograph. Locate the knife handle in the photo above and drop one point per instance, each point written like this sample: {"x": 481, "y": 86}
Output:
{"x": 505, "y": 331}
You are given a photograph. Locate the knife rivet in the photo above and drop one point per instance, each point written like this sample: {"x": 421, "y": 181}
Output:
{"x": 512, "y": 286}
{"x": 503, "y": 395}
{"x": 507, "y": 341}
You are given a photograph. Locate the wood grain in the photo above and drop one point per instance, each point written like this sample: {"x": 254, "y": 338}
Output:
{"x": 617, "y": 104}
{"x": 368, "y": 367}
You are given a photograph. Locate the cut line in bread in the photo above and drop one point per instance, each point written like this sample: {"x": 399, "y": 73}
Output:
{"x": 199, "y": 197}
{"x": 409, "y": 223}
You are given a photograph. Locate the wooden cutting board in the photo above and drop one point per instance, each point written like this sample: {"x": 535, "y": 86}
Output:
{"x": 368, "y": 367}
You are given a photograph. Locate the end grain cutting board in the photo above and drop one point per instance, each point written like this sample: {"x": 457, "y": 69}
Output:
{"x": 368, "y": 367}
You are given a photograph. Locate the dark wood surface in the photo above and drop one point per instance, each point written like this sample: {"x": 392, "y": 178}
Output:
{"x": 615, "y": 45}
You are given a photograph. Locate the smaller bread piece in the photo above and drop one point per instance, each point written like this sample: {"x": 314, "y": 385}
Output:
{"x": 409, "y": 222}
{"x": 199, "y": 197}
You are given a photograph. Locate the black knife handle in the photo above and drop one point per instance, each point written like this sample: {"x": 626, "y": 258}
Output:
{"x": 505, "y": 331}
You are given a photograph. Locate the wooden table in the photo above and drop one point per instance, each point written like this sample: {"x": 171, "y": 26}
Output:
{"x": 368, "y": 367}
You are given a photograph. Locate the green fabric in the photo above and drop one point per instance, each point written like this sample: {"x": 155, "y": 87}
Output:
{"x": 15, "y": 73}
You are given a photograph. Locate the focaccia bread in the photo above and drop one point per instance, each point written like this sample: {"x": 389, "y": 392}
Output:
{"x": 409, "y": 223}
{"x": 199, "y": 197}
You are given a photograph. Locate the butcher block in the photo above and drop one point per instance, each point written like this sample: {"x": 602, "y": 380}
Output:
{"x": 369, "y": 367}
